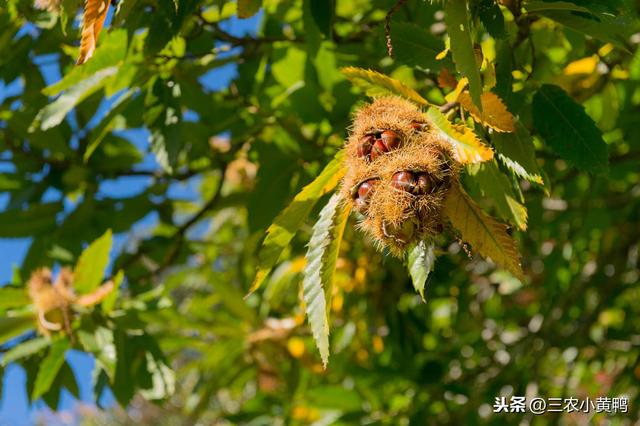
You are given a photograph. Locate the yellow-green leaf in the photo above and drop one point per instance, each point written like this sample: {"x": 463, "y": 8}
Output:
{"x": 494, "y": 113}
{"x": 285, "y": 226}
{"x": 466, "y": 145}
{"x": 516, "y": 153}
{"x": 14, "y": 326}
{"x": 496, "y": 186}
{"x": 25, "y": 349}
{"x": 322, "y": 254}
{"x": 49, "y": 368}
{"x": 486, "y": 235}
{"x": 459, "y": 30}
{"x": 248, "y": 8}
{"x": 109, "y": 302}
{"x": 93, "y": 261}
{"x": 421, "y": 260}
{"x": 111, "y": 54}
{"x": 374, "y": 83}
{"x": 13, "y": 297}
{"x": 53, "y": 114}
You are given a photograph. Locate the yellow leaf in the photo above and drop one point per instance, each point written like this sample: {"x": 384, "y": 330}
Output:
{"x": 462, "y": 84}
{"x": 378, "y": 344}
{"x": 619, "y": 73}
{"x": 440, "y": 56}
{"x": 582, "y": 66}
{"x": 377, "y": 84}
{"x": 494, "y": 113}
{"x": 467, "y": 147}
{"x": 489, "y": 76}
{"x": 296, "y": 347}
{"x": 485, "y": 234}
{"x": 95, "y": 12}
{"x": 605, "y": 50}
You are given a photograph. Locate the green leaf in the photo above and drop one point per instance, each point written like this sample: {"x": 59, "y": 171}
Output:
{"x": 106, "y": 124}
{"x": 495, "y": 186}
{"x": 217, "y": 13}
{"x": 322, "y": 15}
{"x": 25, "y": 349}
{"x": 10, "y": 182}
{"x": 49, "y": 368}
{"x": 111, "y": 53}
{"x": 415, "y": 46}
{"x": 93, "y": 261}
{"x": 53, "y": 114}
{"x": 491, "y": 17}
{"x": 122, "y": 12}
{"x": 37, "y": 219}
{"x": 123, "y": 382}
{"x": 375, "y": 84}
{"x": 286, "y": 225}
{"x": 67, "y": 379}
{"x": 421, "y": 260}
{"x": 68, "y": 11}
{"x": 165, "y": 146}
{"x": 163, "y": 379}
{"x": 333, "y": 249}
{"x": 248, "y": 8}
{"x": 100, "y": 343}
{"x": 321, "y": 258}
{"x": 334, "y": 397}
{"x": 14, "y": 326}
{"x": 603, "y": 26}
{"x": 109, "y": 302}
{"x": 539, "y": 6}
{"x": 12, "y": 297}
{"x": 568, "y": 130}
{"x": 518, "y": 170}
{"x": 459, "y": 29}
{"x": 516, "y": 153}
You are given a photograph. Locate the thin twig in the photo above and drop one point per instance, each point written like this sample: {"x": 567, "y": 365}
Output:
{"x": 179, "y": 235}
{"x": 387, "y": 25}
{"x": 448, "y": 107}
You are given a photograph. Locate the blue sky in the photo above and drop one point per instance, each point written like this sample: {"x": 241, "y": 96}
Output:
{"x": 14, "y": 406}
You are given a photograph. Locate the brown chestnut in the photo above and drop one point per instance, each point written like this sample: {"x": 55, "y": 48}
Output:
{"x": 403, "y": 181}
{"x": 364, "y": 190}
{"x": 378, "y": 149}
{"x": 363, "y": 193}
{"x": 390, "y": 139}
{"x": 423, "y": 185}
{"x": 364, "y": 147}
{"x": 418, "y": 126}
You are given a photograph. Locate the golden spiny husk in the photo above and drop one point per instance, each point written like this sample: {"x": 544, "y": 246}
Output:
{"x": 54, "y": 301}
{"x": 420, "y": 151}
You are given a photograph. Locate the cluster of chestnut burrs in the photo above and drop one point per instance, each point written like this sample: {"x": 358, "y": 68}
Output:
{"x": 397, "y": 173}
{"x": 378, "y": 143}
